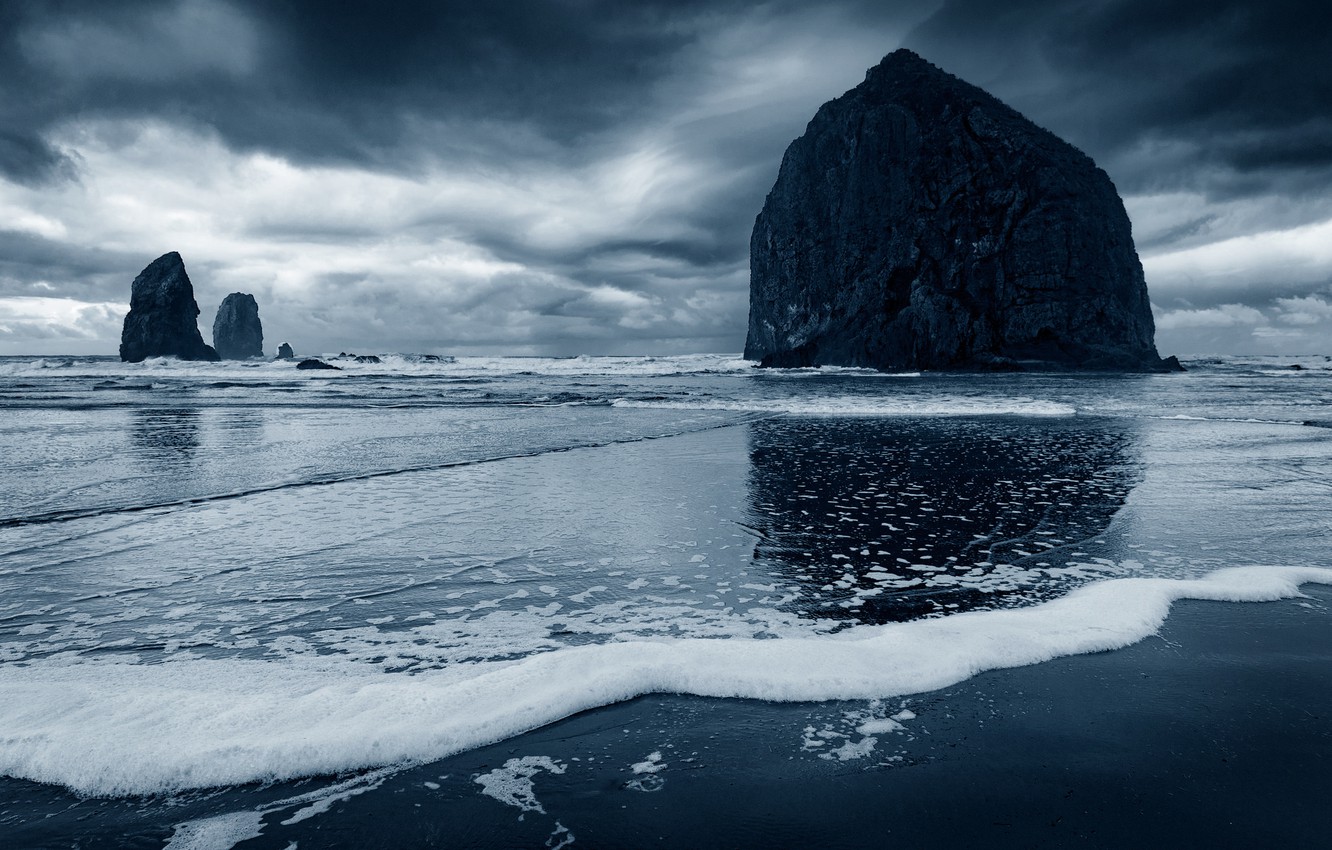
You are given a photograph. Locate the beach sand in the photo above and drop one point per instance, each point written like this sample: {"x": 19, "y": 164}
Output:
{"x": 1217, "y": 732}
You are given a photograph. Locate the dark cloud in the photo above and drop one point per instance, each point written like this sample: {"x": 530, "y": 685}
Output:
{"x": 28, "y": 159}
{"x": 35, "y": 265}
{"x": 1238, "y": 87}
{"x": 354, "y": 82}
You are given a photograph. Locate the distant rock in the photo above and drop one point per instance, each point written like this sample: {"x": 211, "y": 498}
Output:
{"x": 312, "y": 363}
{"x": 163, "y": 315}
{"x": 919, "y": 223}
{"x": 285, "y": 352}
{"x": 237, "y": 331}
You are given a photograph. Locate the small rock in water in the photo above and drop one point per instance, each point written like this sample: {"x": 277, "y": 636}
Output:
{"x": 312, "y": 363}
{"x": 285, "y": 352}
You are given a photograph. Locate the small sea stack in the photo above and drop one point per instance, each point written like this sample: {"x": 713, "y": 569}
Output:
{"x": 285, "y": 352}
{"x": 920, "y": 223}
{"x": 163, "y": 316}
{"x": 237, "y": 332}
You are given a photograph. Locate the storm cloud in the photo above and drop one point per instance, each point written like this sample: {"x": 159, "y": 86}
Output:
{"x": 579, "y": 176}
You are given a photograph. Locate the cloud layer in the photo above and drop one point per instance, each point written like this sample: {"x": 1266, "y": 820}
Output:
{"x": 578, "y": 176}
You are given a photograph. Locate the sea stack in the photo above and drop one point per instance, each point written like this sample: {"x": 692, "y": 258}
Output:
{"x": 162, "y": 320}
{"x": 237, "y": 332}
{"x": 920, "y": 223}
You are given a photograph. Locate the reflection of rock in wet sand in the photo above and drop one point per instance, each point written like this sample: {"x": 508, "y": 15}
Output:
{"x": 884, "y": 520}
{"x": 166, "y": 436}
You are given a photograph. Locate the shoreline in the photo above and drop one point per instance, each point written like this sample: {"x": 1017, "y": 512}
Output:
{"x": 141, "y": 650}
{"x": 1215, "y": 732}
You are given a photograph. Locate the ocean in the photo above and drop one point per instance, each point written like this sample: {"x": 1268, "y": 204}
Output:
{"x": 245, "y": 605}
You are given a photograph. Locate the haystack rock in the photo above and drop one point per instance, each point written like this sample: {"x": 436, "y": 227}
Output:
{"x": 162, "y": 320}
{"x": 922, "y": 224}
{"x": 237, "y": 332}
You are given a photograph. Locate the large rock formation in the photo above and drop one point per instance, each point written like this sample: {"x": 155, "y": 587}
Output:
{"x": 237, "y": 332}
{"x": 162, "y": 321}
{"x": 920, "y": 223}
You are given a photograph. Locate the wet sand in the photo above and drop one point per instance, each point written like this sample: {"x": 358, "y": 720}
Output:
{"x": 1217, "y": 733}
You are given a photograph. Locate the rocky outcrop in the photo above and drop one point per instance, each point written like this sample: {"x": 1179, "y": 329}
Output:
{"x": 162, "y": 320}
{"x": 237, "y": 332}
{"x": 921, "y": 223}
{"x": 285, "y": 352}
{"x": 315, "y": 363}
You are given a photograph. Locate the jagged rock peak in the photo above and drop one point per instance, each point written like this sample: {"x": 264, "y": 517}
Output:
{"x": 163, "y": 316}
{"x": 237, "y": 332}
{"x": 921, "y": 223}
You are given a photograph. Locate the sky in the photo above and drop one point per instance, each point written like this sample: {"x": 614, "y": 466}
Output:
{"x": 581, "y": 177}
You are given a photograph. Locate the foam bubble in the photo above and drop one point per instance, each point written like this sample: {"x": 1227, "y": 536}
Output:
{"x": 125, "y": 728}
{"x": 651, "y": 764}
{"x": 880, "y": 726}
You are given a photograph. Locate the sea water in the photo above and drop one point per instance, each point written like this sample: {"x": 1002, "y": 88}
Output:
{"x": 214, "y": 575}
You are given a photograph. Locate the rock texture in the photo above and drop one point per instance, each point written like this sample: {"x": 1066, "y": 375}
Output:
{"x": 162, "y": 320}
{"x": 921, "y": 223}
{"x": 237, "y": 332}
{"x": 285, "y": 352}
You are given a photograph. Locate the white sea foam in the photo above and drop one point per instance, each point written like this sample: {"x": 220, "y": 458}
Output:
{"x": 1247, "y": 420}
{"x": 219, "y": 832}
{"x": 126, "y": 728}
{"x": 852, "y": 750}
{"x": 932, "y": 405}
{"x": 512, "y": 783}
{"x": 222, "y": 832}
{"x": 168, "y": 367}
{"x": 880, "y": 726}
{"x": 651, "y": 764}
